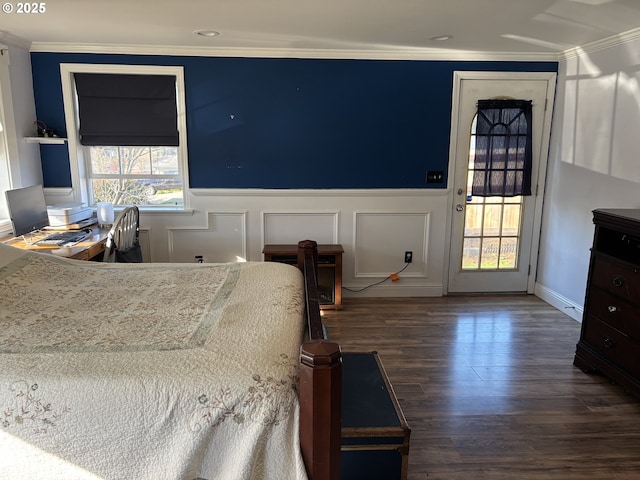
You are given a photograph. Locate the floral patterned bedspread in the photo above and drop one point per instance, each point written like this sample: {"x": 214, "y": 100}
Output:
{"x": 148, "y": 371}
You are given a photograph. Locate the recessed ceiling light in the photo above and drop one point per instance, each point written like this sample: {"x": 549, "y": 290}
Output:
{"x": 441, "y": 38}
{"x": 207, "y": 33}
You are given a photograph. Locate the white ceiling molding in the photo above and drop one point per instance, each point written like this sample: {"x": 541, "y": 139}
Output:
{"x": 613, "y": 41}
{"x": 13, "y": 41}
{"x": 337, "y": 54}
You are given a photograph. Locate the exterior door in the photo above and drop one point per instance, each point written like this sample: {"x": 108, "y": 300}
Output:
{"x": 494, "y": 240}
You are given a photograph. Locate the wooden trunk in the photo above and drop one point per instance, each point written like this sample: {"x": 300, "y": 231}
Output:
{"x": 375, "y": 434}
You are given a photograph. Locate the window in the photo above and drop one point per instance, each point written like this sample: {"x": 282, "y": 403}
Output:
{"x": 498, "y": 178}
{"x": 135, "y": 175}
{"x": 131, "y": 166}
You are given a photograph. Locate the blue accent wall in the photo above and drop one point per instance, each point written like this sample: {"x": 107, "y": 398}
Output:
{"x": 294, "y": 123}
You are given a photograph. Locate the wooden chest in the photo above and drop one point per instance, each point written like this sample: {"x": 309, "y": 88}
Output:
{"x": 610, "y": 335}
{"x": 375, "y": 434}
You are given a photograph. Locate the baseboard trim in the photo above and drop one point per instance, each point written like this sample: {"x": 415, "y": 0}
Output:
{"x": 392, "y": 290}
{"x": 560, "y": 302}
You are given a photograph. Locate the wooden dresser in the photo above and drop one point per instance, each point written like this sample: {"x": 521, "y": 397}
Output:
{"x": 610, "y": 335}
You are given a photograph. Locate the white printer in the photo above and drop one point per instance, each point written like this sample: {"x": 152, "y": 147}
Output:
{"x": 68, "y": 214}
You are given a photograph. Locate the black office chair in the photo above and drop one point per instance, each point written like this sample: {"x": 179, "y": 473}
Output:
{"x": 123, "y": 241}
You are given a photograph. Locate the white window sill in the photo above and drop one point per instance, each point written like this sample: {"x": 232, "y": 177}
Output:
{"x": 159, "y": 211}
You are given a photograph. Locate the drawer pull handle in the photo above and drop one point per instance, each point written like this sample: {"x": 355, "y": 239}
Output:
{"x": 612, "y": 308}
{"x": 608, "y": 343}
{"x": 618, "y": 281}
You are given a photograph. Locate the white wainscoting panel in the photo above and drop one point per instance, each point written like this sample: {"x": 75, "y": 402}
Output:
{"x": 374, "y": 227}
{"x": 382, "y": 238}
{"x": 222, "y": 240}
{"x": 291, "y": 227}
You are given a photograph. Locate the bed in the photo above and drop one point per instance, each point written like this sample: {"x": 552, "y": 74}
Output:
{"x": 165, "y": 371}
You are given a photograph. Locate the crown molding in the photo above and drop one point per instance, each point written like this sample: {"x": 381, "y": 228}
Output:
{"x": 14, "y": 41}
{"x": 610, "y": 42}
{"x": 337, "y": 54}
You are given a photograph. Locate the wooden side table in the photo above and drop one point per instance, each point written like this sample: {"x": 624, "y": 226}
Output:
{"x": 329, "y": 270}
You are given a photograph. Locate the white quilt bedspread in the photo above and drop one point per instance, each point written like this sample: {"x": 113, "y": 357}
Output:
{"x": 148, "y": 371}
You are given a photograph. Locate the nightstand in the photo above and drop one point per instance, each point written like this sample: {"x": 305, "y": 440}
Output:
{"x": 329, "y": 269}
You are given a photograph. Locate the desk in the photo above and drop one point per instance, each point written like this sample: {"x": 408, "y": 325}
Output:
{"x": 91, "y": 246}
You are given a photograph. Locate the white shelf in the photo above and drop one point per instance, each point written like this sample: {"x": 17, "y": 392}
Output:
{"x": 45, "y": 140}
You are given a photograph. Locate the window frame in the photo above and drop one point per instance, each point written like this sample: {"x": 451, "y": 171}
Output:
{"x": 78, "y": 155}
{"x": 5, "y": 160}
{"x": 5, "y": 180}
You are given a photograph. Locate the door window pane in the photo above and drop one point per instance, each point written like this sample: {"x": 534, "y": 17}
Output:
{"x": 508, "y": 253}
{"x": 511, "y": 220}
{"x": 473, "y": 221}
{"x": 492, "y": 220}
{"x": 489, "y": 253}
{"x": 471, "y": 254}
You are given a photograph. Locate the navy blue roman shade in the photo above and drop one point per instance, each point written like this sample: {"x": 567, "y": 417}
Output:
{"x": 127, "y": 110}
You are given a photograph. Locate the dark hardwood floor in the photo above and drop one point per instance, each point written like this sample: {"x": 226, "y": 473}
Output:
{"x": 489, "y": 390}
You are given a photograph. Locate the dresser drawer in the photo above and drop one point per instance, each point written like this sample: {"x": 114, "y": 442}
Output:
{"x": 617, "y": 278}
{"x": 616, "y": 312}
{"x": 616, "y": 347}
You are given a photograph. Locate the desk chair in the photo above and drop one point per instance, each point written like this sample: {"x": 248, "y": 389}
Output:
{"x": 123, "y": 240}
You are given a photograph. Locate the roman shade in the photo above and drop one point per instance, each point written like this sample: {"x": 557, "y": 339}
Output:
{"x": 502, "y": 159}
{"x": 127, "y": 110}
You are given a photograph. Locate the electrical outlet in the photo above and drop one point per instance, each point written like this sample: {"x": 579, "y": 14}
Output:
{"x": 408, "y": 257}
{"x": 435, "y": 176}
{"x": 199, "y": 259}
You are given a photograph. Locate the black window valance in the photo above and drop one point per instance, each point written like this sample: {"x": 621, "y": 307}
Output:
{"x": 502, "y": 158}
{"x": 127, "y": 110}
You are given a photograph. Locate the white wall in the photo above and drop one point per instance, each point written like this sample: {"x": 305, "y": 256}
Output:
{"x": 594, "y": 162}
{"x": 18, "y": 106}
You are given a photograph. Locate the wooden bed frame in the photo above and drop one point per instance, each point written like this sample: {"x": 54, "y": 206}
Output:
{"x": 320, "y": 373}
{"x": 320, "y": 381}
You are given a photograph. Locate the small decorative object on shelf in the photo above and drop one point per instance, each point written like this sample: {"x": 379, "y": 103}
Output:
{"x": 43, "y": 131}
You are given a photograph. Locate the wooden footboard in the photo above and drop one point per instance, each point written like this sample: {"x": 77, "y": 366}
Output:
{"x": 320, "y": 381}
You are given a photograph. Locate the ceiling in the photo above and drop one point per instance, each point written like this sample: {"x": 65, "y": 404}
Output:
{"x": 523, "y": 28}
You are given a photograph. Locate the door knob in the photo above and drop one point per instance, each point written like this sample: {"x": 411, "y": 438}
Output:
{"x": 460, "y": 191}
{"x": 459, "y": 207}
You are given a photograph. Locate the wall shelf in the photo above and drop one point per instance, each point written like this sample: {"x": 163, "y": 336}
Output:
{"x": 46, "y": 140}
